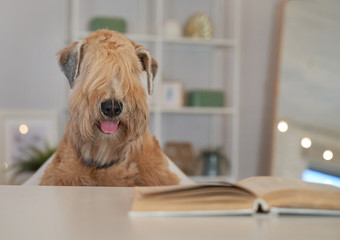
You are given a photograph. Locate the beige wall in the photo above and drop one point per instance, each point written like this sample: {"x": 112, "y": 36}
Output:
{"x": 260, "y": 30}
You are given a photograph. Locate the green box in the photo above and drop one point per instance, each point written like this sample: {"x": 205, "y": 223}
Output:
{"x": 116, "y": 24}
{"x": 206, "y": 98}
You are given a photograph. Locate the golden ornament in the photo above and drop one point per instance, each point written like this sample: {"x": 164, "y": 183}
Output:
{"x": 199, "y": 26}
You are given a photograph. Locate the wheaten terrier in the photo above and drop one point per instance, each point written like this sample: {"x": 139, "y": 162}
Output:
{"x": 107, "y": 141}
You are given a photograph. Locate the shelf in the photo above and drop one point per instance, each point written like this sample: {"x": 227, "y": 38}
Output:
{"x": 222, "y": 53}
{"x": 218, "y": 42}
{"x": 143, "y": 37}
{"x": 194, "y": 110}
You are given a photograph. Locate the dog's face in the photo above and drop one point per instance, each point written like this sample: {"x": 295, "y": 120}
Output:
{"x": 108, "y": 108}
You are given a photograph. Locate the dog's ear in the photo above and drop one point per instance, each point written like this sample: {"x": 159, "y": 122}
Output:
{"x": 69, "y": 60}
{"x": 149, "y": 64}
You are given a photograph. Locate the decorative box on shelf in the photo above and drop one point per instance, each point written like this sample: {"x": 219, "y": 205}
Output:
{"x": 117, "y": 24}
{"x": 206, "y": 98}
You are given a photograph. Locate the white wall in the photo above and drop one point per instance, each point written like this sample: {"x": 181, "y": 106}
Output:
{"x": 31, "y": 32}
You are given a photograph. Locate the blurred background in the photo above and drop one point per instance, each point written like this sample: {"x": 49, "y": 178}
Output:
{"x": 217, "y": 98}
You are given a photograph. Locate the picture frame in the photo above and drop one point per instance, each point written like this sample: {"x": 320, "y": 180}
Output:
{"x": 20, "y": 131}
{"x": 172, "y": 94}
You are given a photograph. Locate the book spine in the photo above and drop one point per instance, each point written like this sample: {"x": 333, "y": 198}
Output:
{"x": 260, "y": 206}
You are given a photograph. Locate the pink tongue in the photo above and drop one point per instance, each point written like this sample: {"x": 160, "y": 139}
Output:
{"x": 108, "y": 126}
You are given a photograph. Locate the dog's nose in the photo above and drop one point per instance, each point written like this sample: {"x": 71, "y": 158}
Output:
{"x": 111, "y": 111}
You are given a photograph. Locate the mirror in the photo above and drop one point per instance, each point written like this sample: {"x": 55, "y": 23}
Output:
{"x": 307, "y": 125}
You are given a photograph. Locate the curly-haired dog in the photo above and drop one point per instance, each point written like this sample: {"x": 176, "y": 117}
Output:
{"x": 107, "y": 141}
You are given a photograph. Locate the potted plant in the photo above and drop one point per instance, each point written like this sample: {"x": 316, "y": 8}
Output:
{"x": 214, "y": 162}
{"x": 34, "y": 160}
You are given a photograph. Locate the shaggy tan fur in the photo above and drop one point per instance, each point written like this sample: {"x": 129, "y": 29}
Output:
{"x": 108, "y": 66}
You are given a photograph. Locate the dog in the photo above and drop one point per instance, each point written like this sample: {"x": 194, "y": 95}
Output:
{"x": 107, "y": 141}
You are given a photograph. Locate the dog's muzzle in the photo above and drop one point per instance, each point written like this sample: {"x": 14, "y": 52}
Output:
{"x": 110, "y": 126}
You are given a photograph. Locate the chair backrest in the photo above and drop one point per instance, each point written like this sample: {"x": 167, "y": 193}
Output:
{"x": 184, "y": 179}
{"x": 36, "y": 177}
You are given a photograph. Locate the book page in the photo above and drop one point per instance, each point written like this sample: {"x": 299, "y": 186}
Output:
{"x": 198, "y": 197}
{"x": 265, "y": 184}
{"x": 293, "y": 193}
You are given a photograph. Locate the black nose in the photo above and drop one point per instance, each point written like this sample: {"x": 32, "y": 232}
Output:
{"x": 111, "y": 111}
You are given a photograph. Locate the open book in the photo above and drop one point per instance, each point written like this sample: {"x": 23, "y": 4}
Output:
{"x": 249, "y": 196}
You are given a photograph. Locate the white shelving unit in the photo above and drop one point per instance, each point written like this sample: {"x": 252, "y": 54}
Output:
{"x": 219, "y": 126}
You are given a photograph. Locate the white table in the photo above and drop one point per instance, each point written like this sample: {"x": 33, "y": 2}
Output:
{"x": 96, "y": 213}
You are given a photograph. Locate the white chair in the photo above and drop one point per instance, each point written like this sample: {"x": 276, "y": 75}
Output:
{"x": 36, "y": 177}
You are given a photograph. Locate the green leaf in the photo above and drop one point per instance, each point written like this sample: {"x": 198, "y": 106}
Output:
{"x": 35, "y": 159}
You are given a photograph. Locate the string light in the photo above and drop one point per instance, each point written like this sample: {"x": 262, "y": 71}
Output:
{"x": 282, "y": 126}
{"x": 306, "y": 142}
{"x": 23, "y": 129}
{"x": 328, "y": 155}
